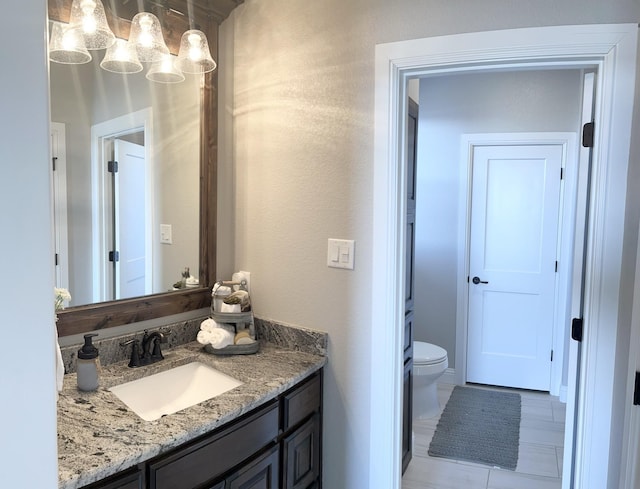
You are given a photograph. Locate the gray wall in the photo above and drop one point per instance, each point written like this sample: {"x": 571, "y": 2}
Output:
{"x": 28, "y": 410}
{"x": 314, "y": 56}
{"x": 298, "y": 125}
{"x": 526, "y": 101}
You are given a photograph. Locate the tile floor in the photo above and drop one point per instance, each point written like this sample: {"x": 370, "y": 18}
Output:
{"x": 539, "y": 460}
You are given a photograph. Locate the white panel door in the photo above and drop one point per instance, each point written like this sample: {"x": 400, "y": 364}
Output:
{"x": 512, "y": 263}
{"x": 130, "y": 219}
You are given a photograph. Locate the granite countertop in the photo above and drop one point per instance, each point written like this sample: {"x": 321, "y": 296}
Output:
{"x": 99, "y": 436}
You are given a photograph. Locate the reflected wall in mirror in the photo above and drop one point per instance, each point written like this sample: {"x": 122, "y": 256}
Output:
{"x": 101, "y": 111}
{"x": 177, "y": 16}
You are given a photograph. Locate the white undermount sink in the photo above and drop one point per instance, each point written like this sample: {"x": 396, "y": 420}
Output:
{"x": 172, "y": 390}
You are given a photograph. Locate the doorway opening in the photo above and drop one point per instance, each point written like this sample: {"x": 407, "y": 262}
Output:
{"x": 522, "y": 190}
{"x": 122, "y": 216}
{"x": 611, "y": 49}
{"x": 525, "y": 184}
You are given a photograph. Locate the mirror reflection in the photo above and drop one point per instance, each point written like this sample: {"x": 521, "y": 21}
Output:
{"x": 133, "y": 231}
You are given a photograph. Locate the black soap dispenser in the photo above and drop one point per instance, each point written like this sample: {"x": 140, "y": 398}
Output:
{"x": 88, "y": 365}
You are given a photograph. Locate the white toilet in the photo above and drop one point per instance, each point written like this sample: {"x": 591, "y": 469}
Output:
{"x": 429, "y": 363}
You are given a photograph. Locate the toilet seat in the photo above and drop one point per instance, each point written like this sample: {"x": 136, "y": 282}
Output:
{"x": 428, "y": 354}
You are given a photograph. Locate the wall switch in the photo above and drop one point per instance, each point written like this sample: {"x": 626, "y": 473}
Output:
{"x": 165, "y": 234}
{"x": 341, "y": 253}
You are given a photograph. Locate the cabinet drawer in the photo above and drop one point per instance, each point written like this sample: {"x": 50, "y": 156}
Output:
{"x": 301, "y": 402}
{"x": 208, "y": 458}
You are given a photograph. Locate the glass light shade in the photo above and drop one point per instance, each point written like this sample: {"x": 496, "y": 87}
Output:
{"x": 88, "y": 17}
{"x": 165, "y": 71}
{"x": 146, "y": 36}
{"x": 67, "y": 46}
{"x": 121, "y": 58}
{"x": 194, "y": 56}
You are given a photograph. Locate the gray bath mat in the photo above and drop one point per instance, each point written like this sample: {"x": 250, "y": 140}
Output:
{"x": 481, "y": 426}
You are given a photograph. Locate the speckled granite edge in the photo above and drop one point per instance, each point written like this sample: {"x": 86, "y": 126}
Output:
{"x": 292, "y": 337}
{"x": 283, "y": 335}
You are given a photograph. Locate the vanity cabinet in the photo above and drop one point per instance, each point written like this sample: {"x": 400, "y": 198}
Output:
{"x": 277, "y": 445}
{"x": 302, "y": 428}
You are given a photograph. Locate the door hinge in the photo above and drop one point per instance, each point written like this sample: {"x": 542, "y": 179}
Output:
{"x": 576, "y": 329}
{"x": 552, "y": 355}
{"x": 114, "y": 256}
{"x": 587, "y": 134}
{"x": 556, "y": 266}
{"x": 561, "y": 173}
{"x": 636, "y": 391}
{"x": 112, "y": 167}
{"x": 56, "y": 259}
{"x": 53, "y": 162}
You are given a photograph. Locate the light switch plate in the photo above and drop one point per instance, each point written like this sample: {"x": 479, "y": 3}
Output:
{"x": 341, "y": 253}
{"x": 165, "y": 234}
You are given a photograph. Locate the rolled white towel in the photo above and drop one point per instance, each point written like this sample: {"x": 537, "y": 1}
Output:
{"x": 204, "y": 337}
{"x": 208, "y": 325}
{"x": 220, "y": 338}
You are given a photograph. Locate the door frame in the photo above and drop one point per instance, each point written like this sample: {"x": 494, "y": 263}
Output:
{"x": 564, "y": 253}
{"x": 611, "y": 49}
{"x": 101, "y": 133}
{"x": 59, "y": 182}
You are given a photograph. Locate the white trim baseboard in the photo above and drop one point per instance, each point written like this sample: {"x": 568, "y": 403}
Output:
{"x": 562, "y": 397}
{"x": 450, "y": 376}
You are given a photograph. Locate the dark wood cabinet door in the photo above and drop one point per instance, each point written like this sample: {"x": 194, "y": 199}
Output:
{"x": 410, "y": 254}
{"x": 407, "y": 414}
{"x": 412, "y": 144}
{"x": 408, "y": 335}
{"x": 301, "y": 455}
{"x": 262, "y": 473}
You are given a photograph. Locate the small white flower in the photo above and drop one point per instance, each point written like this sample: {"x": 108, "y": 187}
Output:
{"x": 61, "y": 295}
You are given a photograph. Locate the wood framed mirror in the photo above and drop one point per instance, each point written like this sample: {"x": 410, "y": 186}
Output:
{"x": 97, "y": 316}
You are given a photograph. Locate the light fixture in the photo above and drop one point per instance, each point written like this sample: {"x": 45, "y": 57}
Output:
{"x": 165, "y": 71}
{"x": 194, "y": 56}
{"x": 88, "y": 17}
{"x": 121, "y": 58}
{"x": 88, "y": 30}
{"x": 67, "y": 46}
{"x": 146, "y": 36}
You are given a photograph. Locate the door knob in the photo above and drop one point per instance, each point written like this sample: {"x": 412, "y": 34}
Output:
{"x": 476, "y": 280}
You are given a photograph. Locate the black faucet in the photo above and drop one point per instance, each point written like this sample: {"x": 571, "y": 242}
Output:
{"x": 150, "y": 351}
{"x": 151, "y": 345}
